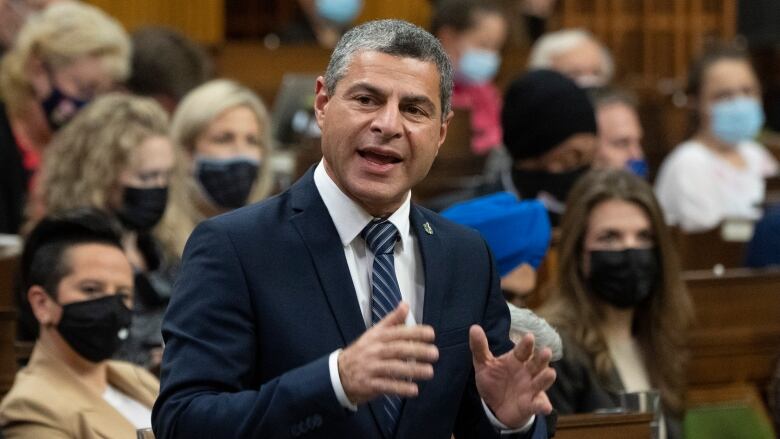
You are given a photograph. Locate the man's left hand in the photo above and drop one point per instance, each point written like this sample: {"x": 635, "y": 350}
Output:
{"x": 513, "y": 384}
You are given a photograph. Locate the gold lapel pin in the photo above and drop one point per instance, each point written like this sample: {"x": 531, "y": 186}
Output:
{"x": 427, "y": 228}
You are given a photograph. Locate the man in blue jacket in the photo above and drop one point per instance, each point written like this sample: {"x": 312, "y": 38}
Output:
{"x": 339, "y": 308}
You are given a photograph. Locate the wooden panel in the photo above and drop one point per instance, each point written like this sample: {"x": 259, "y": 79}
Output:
{"x": 737, "y": 332}
{"x": 8, "y": 316}
{"x": 415, "y": 11}
{"x": 262, "y": 69}
{"x": 604, "y": 426}
{"x": 707, "y": 249}
{"x": 201, "y": 20}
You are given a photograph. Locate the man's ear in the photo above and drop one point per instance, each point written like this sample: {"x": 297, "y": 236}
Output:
{"x": 321, "y": 100}
{"x": 41, "y": 305}
{"x": 445, "y": 124}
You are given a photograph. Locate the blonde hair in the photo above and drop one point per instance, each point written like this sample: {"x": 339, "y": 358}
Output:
{"x": 58, "y": 36}
{"x": 193, "y": 115}
{"x": 660, "y": 324}
{"x": 81, "y": 166}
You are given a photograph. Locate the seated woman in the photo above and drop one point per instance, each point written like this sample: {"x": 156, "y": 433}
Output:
{"x": 79, "y": 287}
{"x": 619, "y": 305}
{"x": 719, "y": 173}
{"x": 224, "y": 130}
{"x": 473, "y": 33}
{"x": 115, "y": 156}
{"x": 63, "y": 57}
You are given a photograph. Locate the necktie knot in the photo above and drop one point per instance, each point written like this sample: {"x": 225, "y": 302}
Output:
{"x": 380, "y": 236}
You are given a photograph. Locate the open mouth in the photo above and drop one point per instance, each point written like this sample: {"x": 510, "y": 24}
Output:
{"x": 379, "y": 158}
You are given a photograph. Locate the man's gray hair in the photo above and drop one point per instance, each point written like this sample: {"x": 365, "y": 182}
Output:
{"x": 392, "y": 37}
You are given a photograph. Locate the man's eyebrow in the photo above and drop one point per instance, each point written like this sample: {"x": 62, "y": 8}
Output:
{"x": 366, "y": 87}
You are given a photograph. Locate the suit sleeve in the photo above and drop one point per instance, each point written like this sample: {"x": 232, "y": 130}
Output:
{"x": 208, "y": 386}
{"x": 472, "y": 422}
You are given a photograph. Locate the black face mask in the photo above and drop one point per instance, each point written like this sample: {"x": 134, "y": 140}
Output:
{"x": 142, "y": 208}
{"x": 227, "y": 183}
{"x": 60, "y": 108}
{"x": 623, "y": 278}
{"x": 95, "y": 328}
{"x": 531, "y": 183}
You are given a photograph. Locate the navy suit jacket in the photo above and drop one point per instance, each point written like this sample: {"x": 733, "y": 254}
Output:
{"x": 265, "y": 295}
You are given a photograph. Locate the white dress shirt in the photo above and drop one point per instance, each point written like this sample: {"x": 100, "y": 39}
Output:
{"x": 350, "y": 219}
{"x": 138, "y": 414}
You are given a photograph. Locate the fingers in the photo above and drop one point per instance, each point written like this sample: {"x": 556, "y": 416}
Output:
{"x": 404, "y": 370}
{"x": 410, "y": 350}
{"x": 478, "y": 343}
{"x": 395, "y": 317}
{"x": 539, "y": 361}
{"x": 542, "y": 404}
{"x": 389, "y": 386}
{"x": 523, "y": 350}
{"x": 543, "y": 380}
{"x": 421, "y": 333}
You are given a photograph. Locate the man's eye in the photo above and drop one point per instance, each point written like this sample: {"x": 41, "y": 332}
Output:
{"x": 364, "y": 100}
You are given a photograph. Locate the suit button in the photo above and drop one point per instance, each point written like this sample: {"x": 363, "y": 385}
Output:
{"x": 317, "y": 421}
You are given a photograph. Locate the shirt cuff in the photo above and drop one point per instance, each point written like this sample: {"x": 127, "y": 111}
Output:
{"x": 500, "y": 425}
{"x": 335, "y": 381}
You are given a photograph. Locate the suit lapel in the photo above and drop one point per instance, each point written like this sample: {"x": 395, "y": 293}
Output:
{"x": 314, "y": 224}
{"x": 433, "y": 253}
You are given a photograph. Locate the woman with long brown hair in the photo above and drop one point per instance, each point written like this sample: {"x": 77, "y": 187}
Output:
{"x": 619, "y": 304}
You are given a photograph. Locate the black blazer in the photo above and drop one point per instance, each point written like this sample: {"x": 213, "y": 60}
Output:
{"x": 13, "y": 178}
{"x": 264, "y": 296}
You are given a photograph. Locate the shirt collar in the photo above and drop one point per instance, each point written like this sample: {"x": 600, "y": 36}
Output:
{"x": 348, "y": 217}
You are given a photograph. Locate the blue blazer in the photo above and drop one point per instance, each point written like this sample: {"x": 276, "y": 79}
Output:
{"x": 264, "y": 296}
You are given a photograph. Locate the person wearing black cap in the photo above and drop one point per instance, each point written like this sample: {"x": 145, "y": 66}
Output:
{"x": 550, "y": 133}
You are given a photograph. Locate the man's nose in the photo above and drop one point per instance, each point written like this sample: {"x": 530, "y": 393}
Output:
{"x": 387, "y": 122}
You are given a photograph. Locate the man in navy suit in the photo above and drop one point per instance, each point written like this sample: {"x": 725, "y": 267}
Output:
{"x": 339, "y": 308}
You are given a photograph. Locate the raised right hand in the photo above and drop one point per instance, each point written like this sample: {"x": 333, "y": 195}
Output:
{"x": 388, "y": 358}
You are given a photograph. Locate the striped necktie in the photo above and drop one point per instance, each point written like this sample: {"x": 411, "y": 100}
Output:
{"x": 380, "y": 236}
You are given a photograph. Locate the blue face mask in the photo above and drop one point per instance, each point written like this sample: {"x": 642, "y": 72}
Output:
{"x": 737, "y": 119}
{"x": 341, "y": 12}
{"x": 478, "y": 66}
{"x": 638, "y": 167}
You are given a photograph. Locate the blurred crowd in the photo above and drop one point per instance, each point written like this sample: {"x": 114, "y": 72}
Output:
{"x": 115, "y": 146}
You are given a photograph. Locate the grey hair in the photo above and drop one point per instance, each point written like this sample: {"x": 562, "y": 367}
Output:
{"x": 392, "y": 37}
{"x": 553, "y": 44}
{"x": 525, "y": 321}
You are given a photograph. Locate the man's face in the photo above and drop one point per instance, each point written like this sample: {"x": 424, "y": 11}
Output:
{"x": 620, "y": 136}
{"x": 381, "y": 128}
